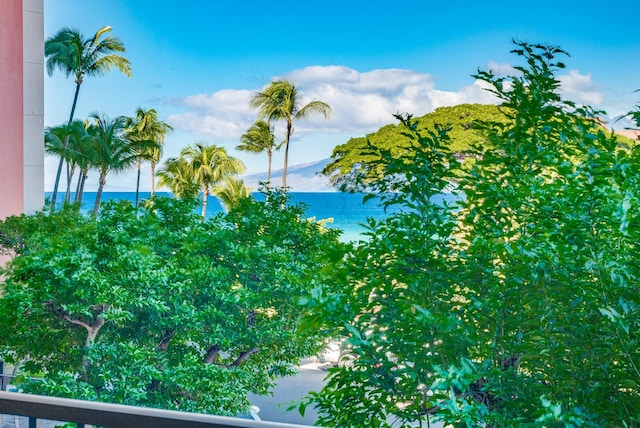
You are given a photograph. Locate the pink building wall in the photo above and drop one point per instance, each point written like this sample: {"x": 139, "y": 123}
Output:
{"x": 11, "y": 109}
{"x": 21, "y": 106}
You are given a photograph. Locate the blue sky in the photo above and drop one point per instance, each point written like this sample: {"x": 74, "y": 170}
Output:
{"x": 198, "y": 62}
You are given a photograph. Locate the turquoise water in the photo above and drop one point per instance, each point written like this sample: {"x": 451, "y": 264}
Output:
{"x": 346, "y": 209}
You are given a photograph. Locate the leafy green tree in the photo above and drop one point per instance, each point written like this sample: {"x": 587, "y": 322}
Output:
{"x": 560, "y": 305}
{"x": 281, "y": 101}
{"x": 114, "y": 151}
{"x": 73, "y": 54}
{"x": 150, "y": 132}
{"x": 259, "y": 138}
{"x": 634, "y": 115}
{"x": 514, "y": 305}
{"x": 209, "y": 166}
{"x": 154, "y": 307}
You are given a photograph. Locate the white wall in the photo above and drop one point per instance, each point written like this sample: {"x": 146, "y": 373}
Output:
{"x": 33, "y": 122}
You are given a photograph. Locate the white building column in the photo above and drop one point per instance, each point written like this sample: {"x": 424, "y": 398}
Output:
{"x": 33, "y": 118}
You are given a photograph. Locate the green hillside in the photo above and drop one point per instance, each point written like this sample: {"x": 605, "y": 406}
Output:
{"x": 351, "y": 166}
{"x": 349, "y": 158}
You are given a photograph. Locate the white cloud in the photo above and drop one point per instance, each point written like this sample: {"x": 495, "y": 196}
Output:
{"x": 361, "y": 101}
{"x": 475, "y": 93}
{"x": 227, "y": 100}
{"x": 580, "y": 88}
{"x": 217, "y": 126}
{"x": 222, "y": 115}
{"x": 501, "y": 69}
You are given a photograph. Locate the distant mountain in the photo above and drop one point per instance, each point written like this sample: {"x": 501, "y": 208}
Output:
{"x": 300, "y": 178}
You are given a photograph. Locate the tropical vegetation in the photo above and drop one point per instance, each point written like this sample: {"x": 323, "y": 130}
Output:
{"x": 176, "y": 174}
{"x": 500, "y": 291}
{"x": 281, "y": 101}
{"x": 114, "y": 152}
{"x": 355, "y": 164}
{"x": 75, "y": 55}
{"x": 259, "y": 138}
{"x": 155, "y": 307}
{"x": 106, "y": 145}
{"x": 149, "y": 133}
{"x": 230, "y": 191}
{"x": 351, "y": 167}
{"x": 70, "y": 142}
{"x": 202, "y": 168}
{"x": 512, "y": 303}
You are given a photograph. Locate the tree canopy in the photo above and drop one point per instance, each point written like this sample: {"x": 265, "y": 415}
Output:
{"x": 155, "y": 307}
{"x": 351, "y": 165}
{"x": 516, "y": 304}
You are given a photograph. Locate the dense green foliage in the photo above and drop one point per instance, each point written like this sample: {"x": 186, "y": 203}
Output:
{"x": 356, "y": 163}
{"x": 156, "y": 307}
{"x": 518, "y": 306}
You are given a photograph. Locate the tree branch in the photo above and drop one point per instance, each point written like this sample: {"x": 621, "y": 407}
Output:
{"x": 74, "y": 321}
{"x": 212, "y": 354}
{"x": 92, "y": 329}
{"x": 167, "y": 335}
{"x": 243, "y": 357}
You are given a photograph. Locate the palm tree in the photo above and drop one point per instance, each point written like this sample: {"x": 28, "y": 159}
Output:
{"x": 70, "y": 52}
{"x": 90, "y": 155}
{"x": 63, "y": 141}
{"x": 114, "y": 151}
{"x": 209, "y": 166}
{"x": 147, "y": 130}
{"x": 259, "y": 138}
{"x": 231, "y": 191}
{"x": 177, "y": 175}
{"x": 279, "y": 101}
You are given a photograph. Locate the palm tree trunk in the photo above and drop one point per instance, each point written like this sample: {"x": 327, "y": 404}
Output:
{"x": 103, "y": 181}
{"x": 138, "y": 183}
{"x": 75, "y": 101}
{"x": 77, "y": 197}
{"x": 71, "y": 170}
{"x": 205, "y": 194}
{"x": 153, "y": 178}
{"x": 67, "y": 192}
{"x": 54, "y": 196}
{"x": 65, "y": 145}
{"x": 269, "y": 155}
{"x": 286, "y": 158}
{"x": 85, "y": 173}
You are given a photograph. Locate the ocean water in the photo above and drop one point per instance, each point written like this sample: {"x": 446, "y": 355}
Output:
{"x": 346, "y": 211}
